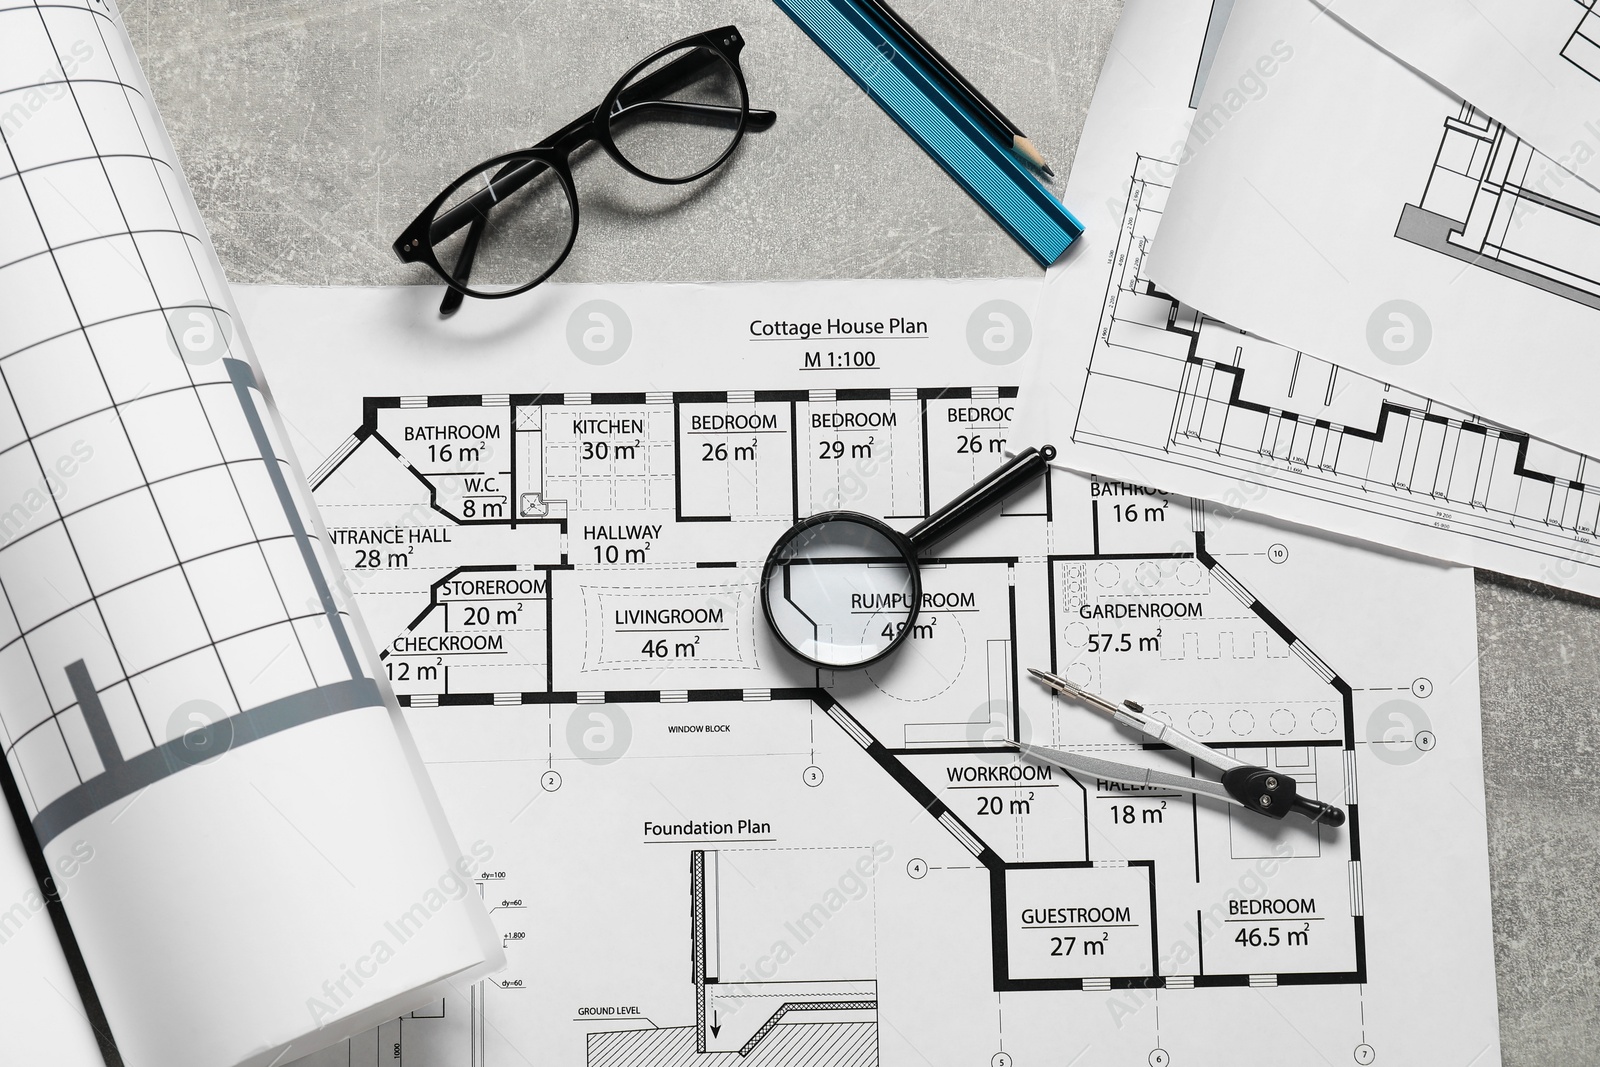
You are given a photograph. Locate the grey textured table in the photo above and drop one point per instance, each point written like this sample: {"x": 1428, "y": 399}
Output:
{"x": 312, "y": 132}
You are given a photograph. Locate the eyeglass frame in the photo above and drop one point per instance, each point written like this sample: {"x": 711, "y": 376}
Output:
{"x": 416, "y": 242}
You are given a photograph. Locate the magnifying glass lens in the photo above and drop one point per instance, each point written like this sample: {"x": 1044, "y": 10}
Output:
{"x": 839, "y": 592}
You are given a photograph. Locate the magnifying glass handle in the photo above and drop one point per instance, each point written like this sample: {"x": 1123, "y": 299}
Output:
{"x": 1023, "y": 468}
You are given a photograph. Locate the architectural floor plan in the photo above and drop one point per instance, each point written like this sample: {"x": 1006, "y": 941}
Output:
{"x": 1532, "y": 64}
{"x": 1583, "y": 47}
{"x": 1493, "y": 201}
{"x": 1283, "y": 220}
{"x": 704, "y": 852}
{"x": 581, "y": 570}
{"x": 1155, "y": 390}
{"x": 1171, "y": 383}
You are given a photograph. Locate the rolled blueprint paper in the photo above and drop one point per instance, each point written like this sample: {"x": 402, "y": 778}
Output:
{"x": 204, "y": 757}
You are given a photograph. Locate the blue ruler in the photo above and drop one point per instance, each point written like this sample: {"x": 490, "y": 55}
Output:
{"x": 984, "y": 167}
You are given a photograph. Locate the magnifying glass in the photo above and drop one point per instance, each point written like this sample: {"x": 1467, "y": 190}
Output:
{"x": 843, "y": 590}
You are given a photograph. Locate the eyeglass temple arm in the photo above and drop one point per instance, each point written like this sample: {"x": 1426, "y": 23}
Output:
{"x": 463, "y": 268}
{"x": 649, "y": 90}
{"x": 670, "y": 78}
{"x": 700, "y": 114}
{"x": 507, "y": 180}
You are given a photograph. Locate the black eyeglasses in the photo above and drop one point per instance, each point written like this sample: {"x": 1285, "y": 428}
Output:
{"x": 676, "y": 116}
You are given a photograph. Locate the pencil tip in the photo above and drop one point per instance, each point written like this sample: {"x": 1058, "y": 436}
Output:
{"x": 1048, "y": 172}
{"x": 1026, "y": 148}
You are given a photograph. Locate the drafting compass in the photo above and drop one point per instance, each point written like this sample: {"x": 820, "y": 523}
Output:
{"x": 1268, "y": 792}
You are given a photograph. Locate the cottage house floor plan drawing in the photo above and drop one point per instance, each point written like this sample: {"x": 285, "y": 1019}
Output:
{"x": 565, "y": 607}
{"x": 590, "y": 560}
{"x": 705, "y": 852}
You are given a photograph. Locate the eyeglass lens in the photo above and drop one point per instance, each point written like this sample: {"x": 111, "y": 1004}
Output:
{"x": 509, "y": 222}
{"x": 679, "y": 115}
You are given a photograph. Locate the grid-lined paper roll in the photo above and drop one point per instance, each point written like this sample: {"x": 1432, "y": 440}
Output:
{"x": 199, "y": 747}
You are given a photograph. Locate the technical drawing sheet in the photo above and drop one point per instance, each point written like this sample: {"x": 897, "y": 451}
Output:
{"x": 553, "y": 513}
{"x": 214, "y": 810}
{"x": 1357, "y": 212}
{"x": 1532, "y": 64}
{"x": 1138, "y": 384}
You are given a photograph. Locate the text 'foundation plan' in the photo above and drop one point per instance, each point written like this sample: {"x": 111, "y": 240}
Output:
{"x": 553, "y": 517}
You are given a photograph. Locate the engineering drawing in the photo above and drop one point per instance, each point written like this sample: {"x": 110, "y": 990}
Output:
{"x": 1582, "y": 49}
{"x": 578, "y": 570}
{"x": 1494, "y": 202}
{"x": 1166, "y": 380}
